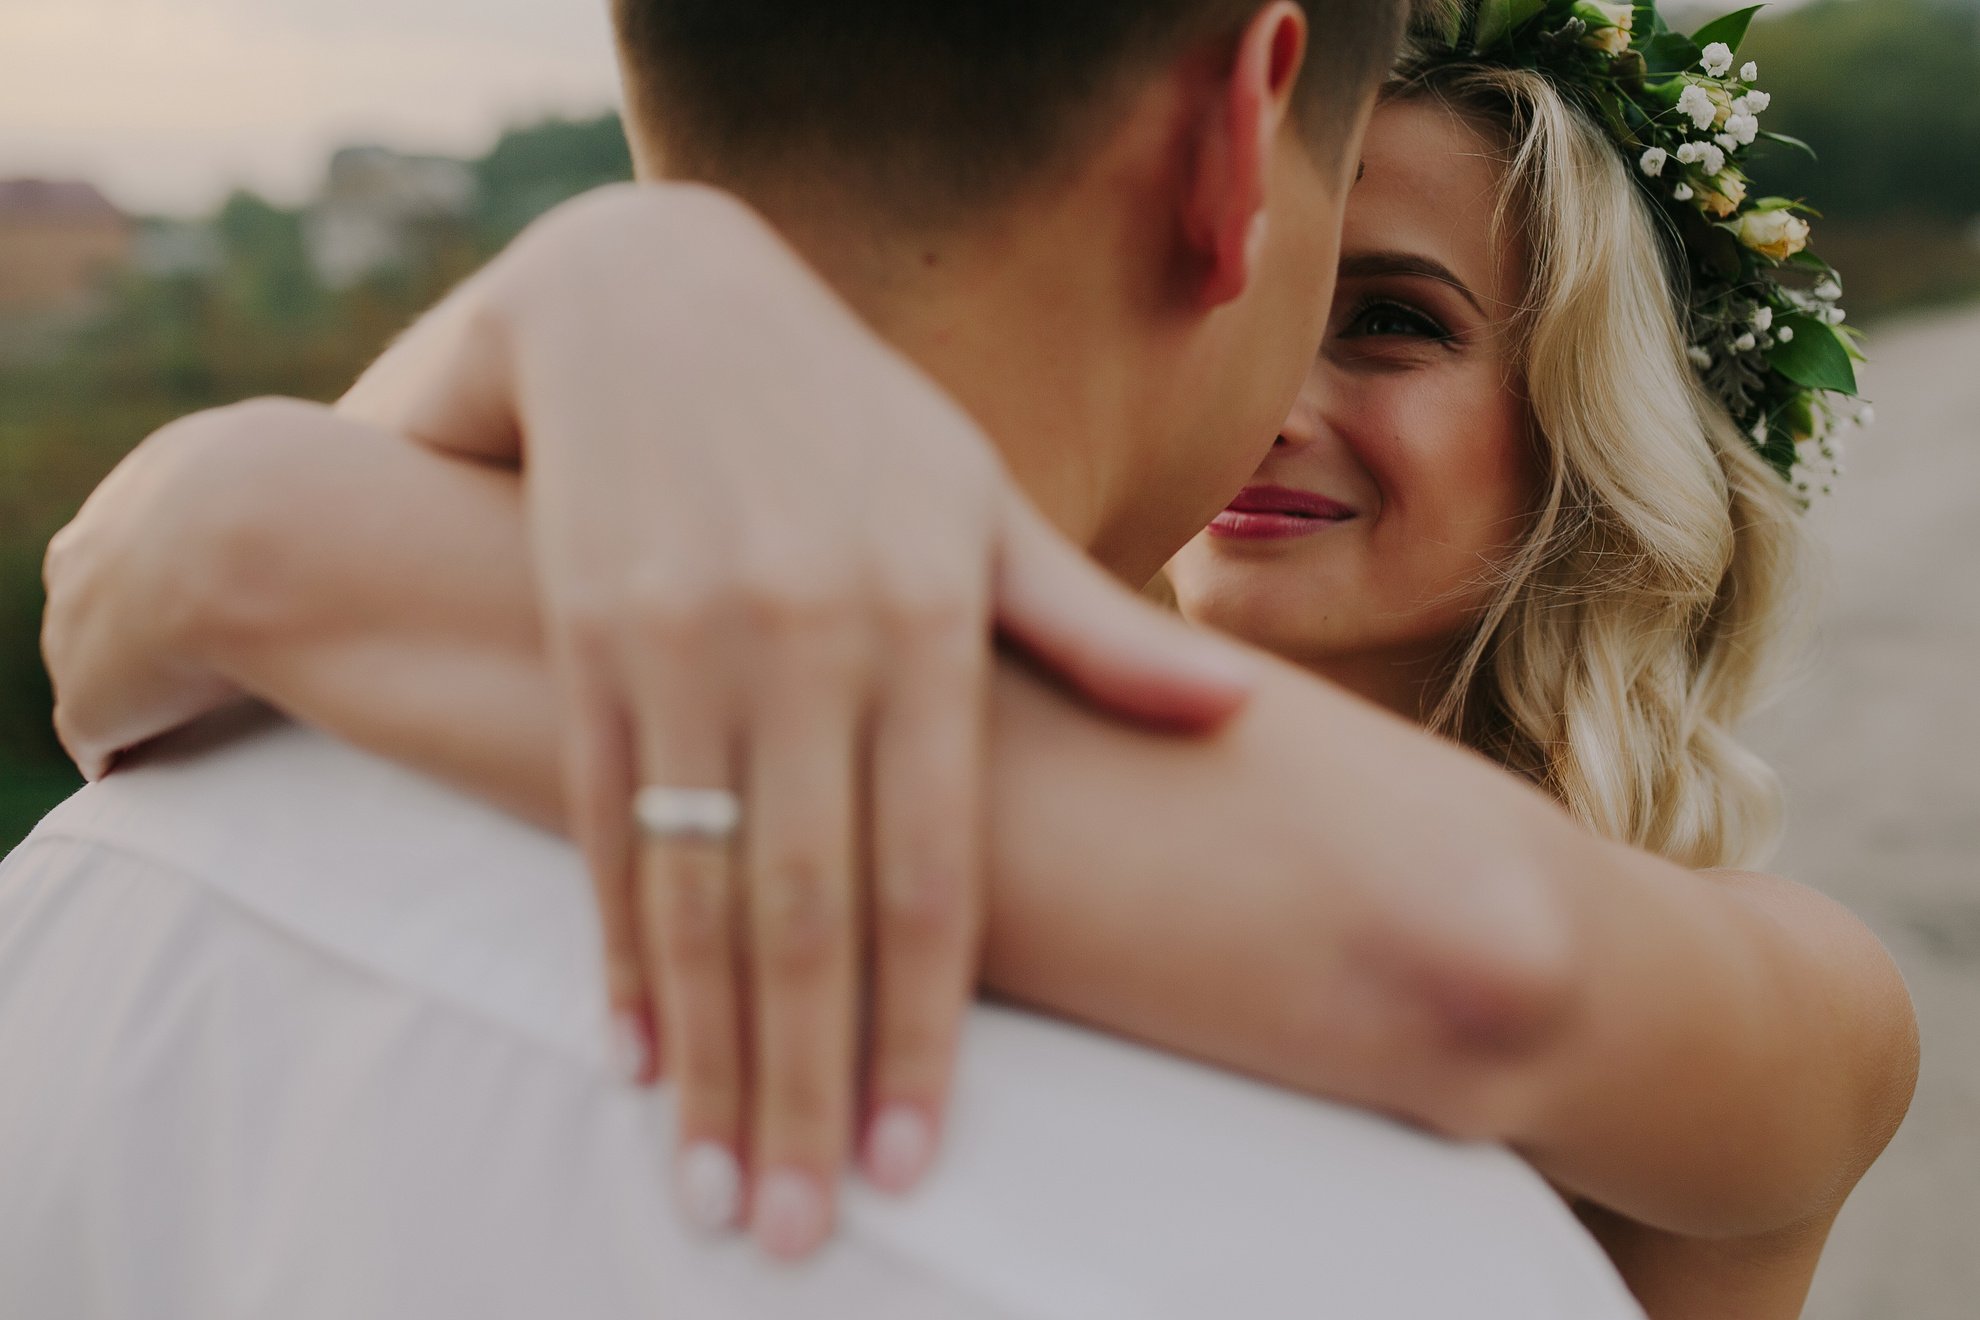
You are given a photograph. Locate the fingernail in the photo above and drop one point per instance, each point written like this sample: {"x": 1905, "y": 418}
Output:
{"x": 899, "y": 1147}
{"x": 790, "y": 1214}
{"x": 709, "y": 1182}
{"x": 629, "y": 1049}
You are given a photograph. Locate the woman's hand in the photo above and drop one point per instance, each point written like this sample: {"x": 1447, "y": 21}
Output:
{"x": 770, "y": 556}
{"x": 122, "y": 627}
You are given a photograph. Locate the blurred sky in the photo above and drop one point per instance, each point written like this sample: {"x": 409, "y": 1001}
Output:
{"x": 168, "y": 103}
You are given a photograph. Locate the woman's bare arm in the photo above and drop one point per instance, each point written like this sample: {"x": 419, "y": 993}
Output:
{"x": 1321, "y": 895}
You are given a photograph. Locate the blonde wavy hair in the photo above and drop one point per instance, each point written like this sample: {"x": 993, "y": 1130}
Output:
{"x": 1645, "y": 611}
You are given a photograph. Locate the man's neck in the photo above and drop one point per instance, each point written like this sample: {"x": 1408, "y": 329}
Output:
{"x": 1030, "y": 325}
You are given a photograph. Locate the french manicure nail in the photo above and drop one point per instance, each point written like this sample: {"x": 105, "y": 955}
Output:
{"x": 899, "y": 1147}
{"x": 709, "y": 1182}
{"x": 790, "y": 1214}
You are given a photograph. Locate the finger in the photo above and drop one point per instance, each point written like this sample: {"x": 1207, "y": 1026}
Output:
{"x": 686, "y": 910}
{"x": 803, "y": 923}
{"x": 598, "y": 776}
{"x": 928, "y": 771}
{"x": 1120, "y": 651}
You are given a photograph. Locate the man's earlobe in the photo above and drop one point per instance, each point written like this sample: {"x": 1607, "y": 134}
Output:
{"x": 1227, "y": 206}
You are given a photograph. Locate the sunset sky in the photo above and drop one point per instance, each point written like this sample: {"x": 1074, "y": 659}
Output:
{"x": 168, "y": 103}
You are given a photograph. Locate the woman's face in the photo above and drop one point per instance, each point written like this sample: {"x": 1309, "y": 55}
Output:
{"x": 1365, "y": 544}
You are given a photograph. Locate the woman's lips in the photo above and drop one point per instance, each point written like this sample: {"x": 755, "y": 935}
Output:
{"x": 1276, "y": 513}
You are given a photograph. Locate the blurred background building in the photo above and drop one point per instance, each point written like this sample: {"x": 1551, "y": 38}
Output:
{"x": 215, "y": 199}
{"x": 60, "y": 241}
{"x": 380, "y": 210}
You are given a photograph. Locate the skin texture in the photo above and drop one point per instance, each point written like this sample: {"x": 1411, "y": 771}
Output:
{"x": 1704, "y": 1063}
{"x": 1411, "y": 415}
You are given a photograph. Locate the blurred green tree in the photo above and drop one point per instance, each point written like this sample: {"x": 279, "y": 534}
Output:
{"x": 167, "y": 345}
{"x": 1889, "y": 93}
{"x": 533, "y": 169}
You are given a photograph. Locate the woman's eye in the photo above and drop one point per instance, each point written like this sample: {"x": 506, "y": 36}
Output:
{"x": 1385, "y": 319}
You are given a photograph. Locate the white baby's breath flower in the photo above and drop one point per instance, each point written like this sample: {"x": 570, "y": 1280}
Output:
{"x": 1696, "y": 104}
{"x": 1866, "y": 415}
{"x": 1727, "y": 142}
{"x": 1785, "y": 334}
{"x": 1763, "y": 319}
{"x": 1713, "y": 158}
{"x": 1690, "y": 153}
{"x": 1718, "y": 59}
{"x": 1742, "y": 106}
{"x": 1700, "y": 358}
{"x": 1828, "y": 291}
{"x": 1746, "y": 343}
{"x": 1683, "y": 192}
{"x": 1758, "y": 102}
{"x": 1749, "y": 71}
{"x": 1653, "y": 161}
{"x": 1835, "y": 316}
{"x": 1743, "y": 129}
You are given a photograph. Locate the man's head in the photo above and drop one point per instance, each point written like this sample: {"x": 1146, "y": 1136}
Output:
{"x": 1165, "y": 175}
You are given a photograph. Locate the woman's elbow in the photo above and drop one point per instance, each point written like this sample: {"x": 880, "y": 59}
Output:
{"x": 1438, "y": 1009}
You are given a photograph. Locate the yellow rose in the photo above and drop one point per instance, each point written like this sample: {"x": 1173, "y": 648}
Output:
{"x": 1610, "y": 41}
{"x": 1776, "y": 234}
{"x": 1723, "y": 194}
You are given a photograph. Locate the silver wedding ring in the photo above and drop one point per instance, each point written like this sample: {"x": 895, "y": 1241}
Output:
{"x": 695, "y": 815}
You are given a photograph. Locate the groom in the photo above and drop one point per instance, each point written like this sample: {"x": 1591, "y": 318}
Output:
{"x": 292, "y": 1032}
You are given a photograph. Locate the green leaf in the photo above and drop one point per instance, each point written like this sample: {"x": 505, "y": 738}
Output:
{"x": 1672, "y": 52}
{"x": 1817, "y": 358}
{"x": 1731, "y": 29}
{"x": 1794, "y": 142}
{"x": 1806, "y": 260}
{"x": 1499, "y": 19}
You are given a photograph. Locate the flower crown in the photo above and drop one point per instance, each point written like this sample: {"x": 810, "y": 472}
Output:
{"x": 1765, "y": 329}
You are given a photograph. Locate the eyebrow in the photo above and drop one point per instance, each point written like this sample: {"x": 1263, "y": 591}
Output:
{"x": 1368, "y": 264}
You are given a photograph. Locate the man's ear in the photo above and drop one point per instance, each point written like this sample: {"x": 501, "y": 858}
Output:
{"x": 1224, "y": 214}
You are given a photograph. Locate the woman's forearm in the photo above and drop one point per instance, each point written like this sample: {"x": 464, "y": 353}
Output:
{"x": 382, "y": 592}
{"x": 1320, "y": 895}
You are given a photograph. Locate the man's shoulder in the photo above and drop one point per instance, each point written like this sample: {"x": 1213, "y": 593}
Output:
{"x": 349, "y": 853}
{"x": 1082, "y": 1177}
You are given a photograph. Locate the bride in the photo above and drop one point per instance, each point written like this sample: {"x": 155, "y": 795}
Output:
{"x": 1539, "y": 496}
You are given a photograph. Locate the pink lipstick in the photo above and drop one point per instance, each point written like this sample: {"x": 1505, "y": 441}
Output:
{"x": 1277, "y": 513}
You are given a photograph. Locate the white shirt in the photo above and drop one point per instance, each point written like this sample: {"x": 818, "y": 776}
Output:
{"x": 287, "y": 1032}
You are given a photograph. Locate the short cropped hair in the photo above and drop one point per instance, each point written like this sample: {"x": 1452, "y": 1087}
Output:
{"x": 936, "y": 108}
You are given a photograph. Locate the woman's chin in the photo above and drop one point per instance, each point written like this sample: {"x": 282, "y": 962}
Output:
{"x": 1271, "y": 621}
